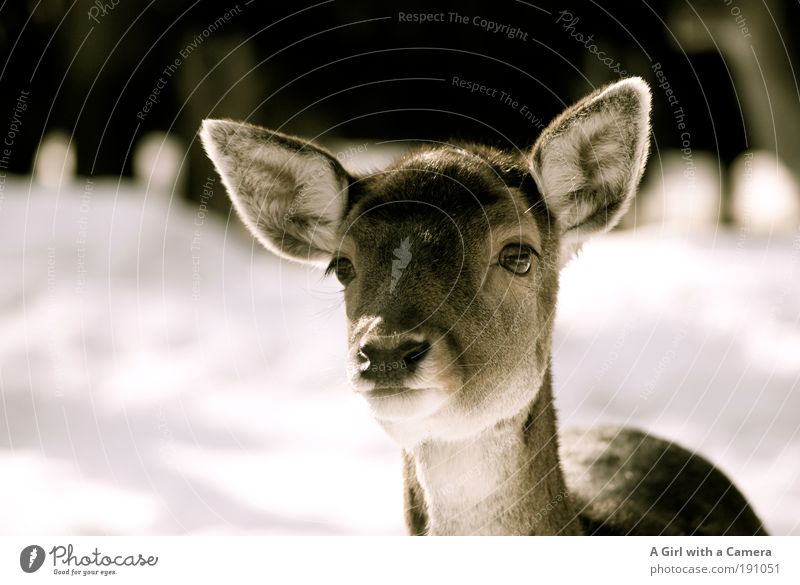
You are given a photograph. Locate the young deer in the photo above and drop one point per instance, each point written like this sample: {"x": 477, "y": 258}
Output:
{"x": 450, "y": 262}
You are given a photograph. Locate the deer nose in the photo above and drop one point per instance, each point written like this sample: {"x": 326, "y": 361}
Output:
{"x": 390, "y": 360}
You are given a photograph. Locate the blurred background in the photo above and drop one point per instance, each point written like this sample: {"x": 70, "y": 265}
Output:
{"x": 162, "y": 374}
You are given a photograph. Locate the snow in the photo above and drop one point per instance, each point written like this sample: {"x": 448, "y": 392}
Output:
{"x": 189, "y": 382}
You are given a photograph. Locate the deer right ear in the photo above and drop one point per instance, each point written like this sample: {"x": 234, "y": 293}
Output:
{"x": 290, "y": 194}
{"x": 588, "y": 162}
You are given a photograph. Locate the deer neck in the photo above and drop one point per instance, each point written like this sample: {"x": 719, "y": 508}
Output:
{"x": 505, "y": 481}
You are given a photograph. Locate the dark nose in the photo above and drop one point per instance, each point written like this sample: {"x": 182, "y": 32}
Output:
{"x": 389, "y": 359}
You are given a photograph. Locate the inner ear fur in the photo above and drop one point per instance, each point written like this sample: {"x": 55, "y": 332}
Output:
{"x": 588, "y": 162}
{"x": 291, "y": 194}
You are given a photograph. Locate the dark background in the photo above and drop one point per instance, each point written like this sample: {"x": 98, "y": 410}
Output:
{"x": 342, "y": 69}
{"x": 161, "y": 373}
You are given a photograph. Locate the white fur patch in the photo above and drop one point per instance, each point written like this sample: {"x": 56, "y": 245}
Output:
{"x": 469, "y": 484}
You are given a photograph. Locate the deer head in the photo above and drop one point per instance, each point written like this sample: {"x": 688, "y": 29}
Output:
{"x": 450, "y": 257}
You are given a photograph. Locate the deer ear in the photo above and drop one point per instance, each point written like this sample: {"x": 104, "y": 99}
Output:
{"x": 290, "y": 194}
{"x": 588, "y": 162}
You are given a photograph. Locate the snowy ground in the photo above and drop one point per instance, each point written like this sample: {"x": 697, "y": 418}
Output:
{"x": 161, "y": 375}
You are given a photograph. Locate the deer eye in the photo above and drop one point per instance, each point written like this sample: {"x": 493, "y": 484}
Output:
{"x": 344, "y": 269}
{"x": 516, "y": 258}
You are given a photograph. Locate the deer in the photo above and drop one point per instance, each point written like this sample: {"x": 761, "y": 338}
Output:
{"x": 449, "y": 260}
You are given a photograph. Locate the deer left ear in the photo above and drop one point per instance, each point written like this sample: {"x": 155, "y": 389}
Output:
{"x": 588, "y": 162}
{"x": 290, "y": 194}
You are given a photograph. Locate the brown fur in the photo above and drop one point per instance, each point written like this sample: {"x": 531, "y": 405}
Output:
{"x": 451, "y": 347}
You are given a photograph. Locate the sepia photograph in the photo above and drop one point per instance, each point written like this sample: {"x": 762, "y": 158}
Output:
{"x": 337, "y": 268}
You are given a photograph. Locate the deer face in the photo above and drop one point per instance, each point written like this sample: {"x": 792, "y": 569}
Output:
{"x": 449, "y": 258}
{"x": 448, "y": 265}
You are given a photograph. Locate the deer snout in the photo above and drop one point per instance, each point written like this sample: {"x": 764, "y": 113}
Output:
{"x": 391, "y": 360}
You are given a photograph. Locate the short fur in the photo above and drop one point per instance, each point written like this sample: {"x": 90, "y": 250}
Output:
{"x": 449, "y": 341}
{"x": 290, "y": 194}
